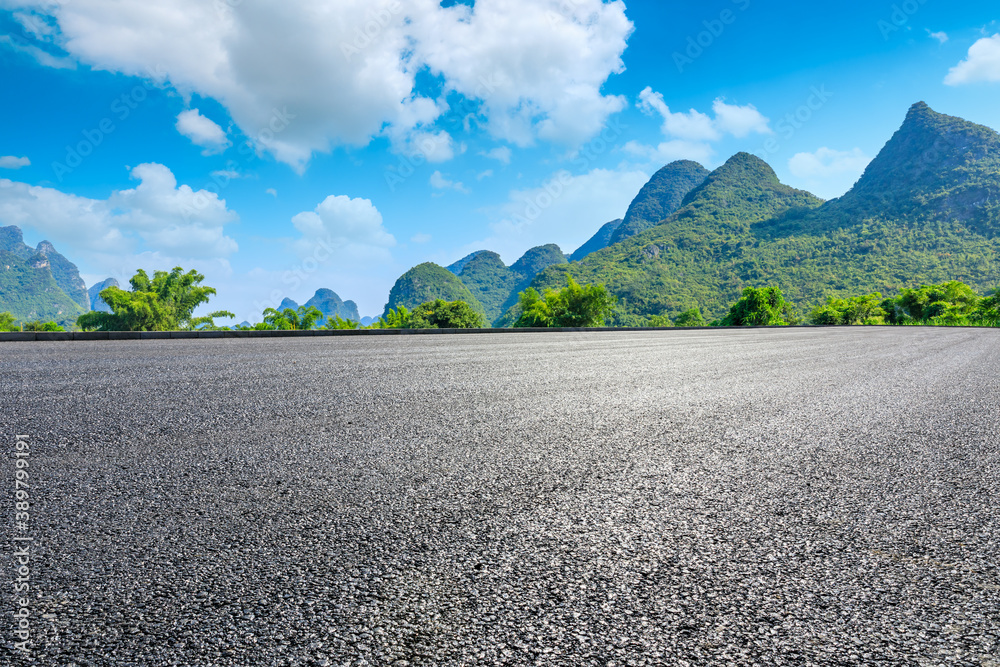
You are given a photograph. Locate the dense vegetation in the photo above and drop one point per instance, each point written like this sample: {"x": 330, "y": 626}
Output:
{"x": 925, "y": 212}
{"x": 572, "y": 306}
{"x": 660, "y": 197}
{"x": 949, "y": 304}
{"x": 490, "y": 281}
{"x": 28, "y": 290}
{"x": 165, "y": 302}
{"x": 428, "y": 282}
{"x": 760, "y": 307}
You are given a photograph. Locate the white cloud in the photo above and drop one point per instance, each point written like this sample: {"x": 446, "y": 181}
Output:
{"x": 566, "y": 210}
{"x": 347, "y": 228}
{"x": 484, "y": 174}
{"x": 669, "y": 151}
{"x": 941, "y": 37}
{"x": 202, "y": 131}
{"x": 272, "y": 192}
{"x": 40, "y": 55}
{"x": 691, "y": 126}
{"x": 421, "y": 238}
{"x": 501, "y": 154}
{"x": 739, "y": 121}
{"x": 689, "y": 135}
{"x": 439, "y": 182}
{"x": 827, "y": 172}
{"x": 157, "y": 221}
{"x": 982, "y": 63}
{"x": 533, "y": 68}
{"x": 13, "y": 162}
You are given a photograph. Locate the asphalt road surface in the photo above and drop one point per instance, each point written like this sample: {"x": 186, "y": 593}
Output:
{"x": 765, "y": 497}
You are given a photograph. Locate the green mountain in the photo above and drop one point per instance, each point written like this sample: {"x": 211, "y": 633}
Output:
{"x": 458, "y": 266}
{"x": 96, "y": 302}
{"x": 926, "y": 210}
{"x": 538, "y": 259}
{"x": 426, "y": 282}
{"x": 599, "y": 241}
{"x": 327, "y": 302}
{"x": 66, "y": 275}
{"x": 490, "y": 281}
{"x": 660, "y": 197}
{"x": 330, "y": 304}
{"x": 28, "y": 290}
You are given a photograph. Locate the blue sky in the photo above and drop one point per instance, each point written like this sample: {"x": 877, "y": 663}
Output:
{"x": 284, "y": 147}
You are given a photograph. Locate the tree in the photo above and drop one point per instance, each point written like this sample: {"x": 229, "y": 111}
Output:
{"x": 691, "y": 318}
{"x": 7, "y": 322}
{"x": 38, "y": 325}
{"x": 207, "y": 322}
{"x": 759, "y": 307}
{"x": 337, "y": 322}
{"x": 988, "y": 312}
{"x": 164, "y": 303}
{"x": 855, "y": 310}
{"x": 572, "y": 306}
{"x": 394, "y": 319}
{"x": 441, "y": 314}
{"x": 302, "y": 319}
{"x": 952, "y": 302}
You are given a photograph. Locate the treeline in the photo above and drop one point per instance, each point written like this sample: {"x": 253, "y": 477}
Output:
{"x": 167, "y": 301}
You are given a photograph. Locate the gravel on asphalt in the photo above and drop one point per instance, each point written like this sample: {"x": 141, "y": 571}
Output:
{"x": 731, "y": 497}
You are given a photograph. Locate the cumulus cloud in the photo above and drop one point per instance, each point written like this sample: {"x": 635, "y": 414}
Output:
{"x": 344, "y": 228}
{"x": 739, "y": 121}
{"x": 941, "y": 37}
{"x": 982, "y": 63}
{"x": 669, "y": 151}
{"x": 689, "y": 135}
{"x": 827, "y": 172}
{"x": 439, "y": 182}
{"x": 307, "y": 75}
{"x": 565, "y": 209}
{"x": 156, "y": 220}
{"x": 202, "y": 131}
{"x": 13, "y": 162}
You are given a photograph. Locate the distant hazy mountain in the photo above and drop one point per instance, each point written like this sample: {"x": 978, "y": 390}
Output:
{"x": 926, "y": 210}
{"x": 94, "y": 293}
{"x": 599, "y": 241}
{"x": 329, "y": 303}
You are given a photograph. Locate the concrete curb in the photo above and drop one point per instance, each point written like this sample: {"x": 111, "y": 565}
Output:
{"x": 67, "y": 336}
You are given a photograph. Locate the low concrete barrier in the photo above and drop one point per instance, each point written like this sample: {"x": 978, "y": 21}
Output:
{"x": 63, "y": 336}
